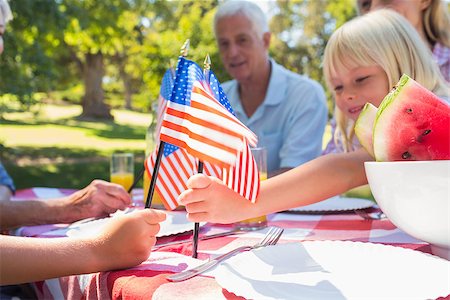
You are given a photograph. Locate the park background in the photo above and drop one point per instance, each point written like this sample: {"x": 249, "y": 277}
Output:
{"x": 78, "y": 77}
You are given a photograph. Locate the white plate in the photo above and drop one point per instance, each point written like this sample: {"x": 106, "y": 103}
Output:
{"x": 335, "y": 204}
{"x": 335, "y": 270}
{"x": 175, "y": 223}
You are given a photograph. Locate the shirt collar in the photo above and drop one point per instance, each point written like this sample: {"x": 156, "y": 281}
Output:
{"x": 277, "y": 85}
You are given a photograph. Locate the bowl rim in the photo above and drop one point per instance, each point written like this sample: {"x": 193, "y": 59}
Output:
{"x": 413, "y": 162}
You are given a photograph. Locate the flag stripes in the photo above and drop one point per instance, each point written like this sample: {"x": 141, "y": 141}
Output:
{"x": 197, "y": 123}
{"x": 173, "y": 175}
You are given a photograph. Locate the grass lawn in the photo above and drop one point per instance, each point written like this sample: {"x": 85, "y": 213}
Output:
{"x": 54, "y": 148}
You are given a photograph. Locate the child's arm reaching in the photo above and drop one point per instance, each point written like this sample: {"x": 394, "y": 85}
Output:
{"x": 208, "y": 199}
{"x": 125, "y": 242}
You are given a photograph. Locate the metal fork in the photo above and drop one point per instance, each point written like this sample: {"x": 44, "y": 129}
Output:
{"x": 271, "y": 238}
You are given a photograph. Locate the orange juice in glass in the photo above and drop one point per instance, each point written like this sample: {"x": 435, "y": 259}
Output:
{"x": 122, "y": 169}
{"x": 260, "y": 156}
{"x": 156, "y": 200}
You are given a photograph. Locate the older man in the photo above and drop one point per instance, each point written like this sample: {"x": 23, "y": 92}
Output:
{"x": 287, "y": 111}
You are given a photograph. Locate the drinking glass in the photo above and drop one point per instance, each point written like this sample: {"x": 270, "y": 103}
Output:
{"x": 122, "y": 169}
{"x": 260, "y": 156}
{"x": 156, "y": 199}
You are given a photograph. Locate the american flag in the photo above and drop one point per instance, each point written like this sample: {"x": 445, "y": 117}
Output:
{"x": 165, "y": 92}
{"x": 196, "y": 121}
{"x": 176, "y": 164}
{"x": 243, "y": 177}
{"x": 199, "y": 119}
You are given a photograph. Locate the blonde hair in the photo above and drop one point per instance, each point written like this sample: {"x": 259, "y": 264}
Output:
{"x": 5, "y": 11}
{"x": 436, "y": 23}
{"x": 380, "y": 38}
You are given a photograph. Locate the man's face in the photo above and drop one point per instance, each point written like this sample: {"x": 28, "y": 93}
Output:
{"x": 242, "y": 50}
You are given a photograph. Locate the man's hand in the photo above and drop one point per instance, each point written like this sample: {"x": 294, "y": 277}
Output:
{"x": 100, "y": 198}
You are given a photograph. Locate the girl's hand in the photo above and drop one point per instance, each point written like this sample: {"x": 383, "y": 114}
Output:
{"x": 207, "y": 199}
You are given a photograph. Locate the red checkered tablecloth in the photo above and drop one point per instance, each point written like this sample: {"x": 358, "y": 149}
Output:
{"x": 148, "y": 280}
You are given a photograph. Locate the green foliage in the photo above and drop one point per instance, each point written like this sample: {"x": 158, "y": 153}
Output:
{"x": 28, "y": 63}
{"x": 301, "y": 29}
{"x": 71, "y": 95}
{"x": 46, "y": 43}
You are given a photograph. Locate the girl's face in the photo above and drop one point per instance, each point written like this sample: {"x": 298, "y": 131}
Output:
{"x": 352, "y": 88}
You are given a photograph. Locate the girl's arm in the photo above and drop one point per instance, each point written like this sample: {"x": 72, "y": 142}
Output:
{"x": 208, "y": 199}
{"x": 125, "y": 242}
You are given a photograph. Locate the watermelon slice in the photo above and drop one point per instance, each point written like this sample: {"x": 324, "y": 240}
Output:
{"x": 364, "y": 127}
{"x": 412, "y": 124}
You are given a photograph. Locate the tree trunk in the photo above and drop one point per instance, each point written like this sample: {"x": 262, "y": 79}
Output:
{"x": 126, "y": 83}
{"x": 94, "y": 106}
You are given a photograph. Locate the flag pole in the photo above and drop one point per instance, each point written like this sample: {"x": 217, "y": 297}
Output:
{"x": 206, "y": 68}
{"x": 151, "y": 190}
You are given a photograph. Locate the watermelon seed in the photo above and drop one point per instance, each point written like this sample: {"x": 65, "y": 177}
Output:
{"x": 426, "y": 132}
{"x": 406, "y": 155}
{"x": 409, "y": 110}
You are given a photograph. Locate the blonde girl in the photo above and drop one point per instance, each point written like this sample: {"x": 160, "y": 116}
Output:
{"x": 359, "y": 45}
{"x": 356, "y": 56}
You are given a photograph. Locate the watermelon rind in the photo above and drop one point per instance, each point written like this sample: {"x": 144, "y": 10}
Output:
{"x": 379, "y": 144}
{"x": 364, "y": 127}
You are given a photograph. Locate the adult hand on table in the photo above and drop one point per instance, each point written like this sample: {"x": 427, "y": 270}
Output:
{"x": 126, "y": 241}
{"x": 98, "y": 199}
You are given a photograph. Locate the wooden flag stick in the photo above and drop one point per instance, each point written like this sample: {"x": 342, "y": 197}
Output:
{"x": 196, "y": 224}
{"x": 151, "y": 190}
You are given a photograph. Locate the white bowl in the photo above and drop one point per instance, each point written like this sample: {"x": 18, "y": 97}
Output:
{"x": 415, "y": 196}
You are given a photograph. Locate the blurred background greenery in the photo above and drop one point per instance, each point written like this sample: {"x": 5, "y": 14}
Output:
{"x": 78, "y": 78}
{"x": 113, "y": 53}
{"x": 55, "y": 148}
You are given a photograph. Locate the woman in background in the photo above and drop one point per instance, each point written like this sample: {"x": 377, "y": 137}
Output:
{"x": 429, "y": 17}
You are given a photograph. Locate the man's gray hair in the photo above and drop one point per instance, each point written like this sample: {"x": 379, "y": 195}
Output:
{"x": 246, "y": 8}
{"x": 6, "y": 11}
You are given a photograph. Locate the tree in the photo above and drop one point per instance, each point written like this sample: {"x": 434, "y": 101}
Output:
{"x": 128, "y": 44}
{"x": 301, "y": 29}
{"x": 97, "y": 29}
{"x": 30, "y": 61}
